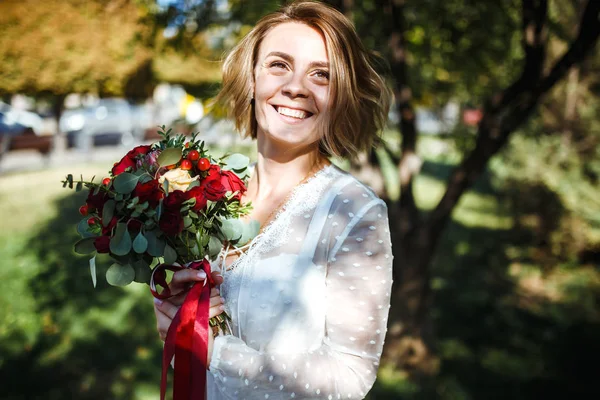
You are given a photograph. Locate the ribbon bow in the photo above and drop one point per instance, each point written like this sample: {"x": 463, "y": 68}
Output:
{"x": 187, "y": 337}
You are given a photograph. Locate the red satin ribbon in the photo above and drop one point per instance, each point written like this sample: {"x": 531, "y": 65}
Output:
{"x": 187, "y": 337}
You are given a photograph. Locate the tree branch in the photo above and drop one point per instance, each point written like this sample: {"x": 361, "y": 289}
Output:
{"x": 516, "y": 103}
{"x": 408, "y": 165}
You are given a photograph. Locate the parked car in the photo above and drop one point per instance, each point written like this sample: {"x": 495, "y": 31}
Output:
{"x": 15, "y": 122}
{"x": 110, "y": 121}
{"x": 20, "y": 129}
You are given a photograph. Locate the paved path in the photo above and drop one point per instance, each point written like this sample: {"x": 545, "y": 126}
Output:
{"x": 31, "y": 160}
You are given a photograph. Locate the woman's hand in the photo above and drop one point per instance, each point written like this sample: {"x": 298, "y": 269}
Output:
{"x": 165, "y": 310}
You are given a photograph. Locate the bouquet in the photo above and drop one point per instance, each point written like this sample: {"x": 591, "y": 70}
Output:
{"x": 169, "y": 205}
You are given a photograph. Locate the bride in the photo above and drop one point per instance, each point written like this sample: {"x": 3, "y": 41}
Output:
{"x": 309, "y": 298}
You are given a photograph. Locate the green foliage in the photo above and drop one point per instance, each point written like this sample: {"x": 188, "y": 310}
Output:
{"x": 83, "y": 55}
{"x": 120, "y": 275}
{"x": 125, "y": 183}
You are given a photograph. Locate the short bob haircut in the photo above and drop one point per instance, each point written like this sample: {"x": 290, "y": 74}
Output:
{"x": 359, "y": 97}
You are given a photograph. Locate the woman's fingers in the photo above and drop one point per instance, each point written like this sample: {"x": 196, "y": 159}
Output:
{"x": 182, "y": 278}
{"x": 216, "y": 301}
{"x": 162, "y": 324}
{"x": 217, "y": 277}
{"x": 166, "y": 307}
{"x": 216, "y": 310}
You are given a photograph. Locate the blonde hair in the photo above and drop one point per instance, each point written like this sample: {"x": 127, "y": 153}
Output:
{"x": 359, "y": 97}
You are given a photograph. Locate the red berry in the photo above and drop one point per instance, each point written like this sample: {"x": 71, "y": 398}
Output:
{"x": 92, "y": 220}
{"x": 193, "y": 155}
{"x": 83, "y": 210}
{"x": 187, "y": 145}
{"x": 186, "y": 165}
{"x": 106, "y": 181}
{"x": 203, "y": 164}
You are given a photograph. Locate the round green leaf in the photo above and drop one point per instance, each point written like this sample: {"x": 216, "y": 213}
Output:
{"x": 142, "y": 271}
{"x": 140, "y": 243}
{"x": 125, "y": 182}
{"x": 169, "y": 156}
{"x": 250, "y": 230}
{"x": 82, "y": 228}
{"x": 84, "y": 246}
{"x": 214, "y": 246}
{"x": 120, "y": 275}
{"x": 232, "y": 229}
{"x": 170, "y": 255}
{"x": 108, "y": 211}
{"x": 236, "y": 161}
{"x": 120, "y": 244}
{"x": 156, "y": 246}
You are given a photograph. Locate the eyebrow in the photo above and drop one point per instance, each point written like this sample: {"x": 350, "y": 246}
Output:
{"x": 290, "y": 59}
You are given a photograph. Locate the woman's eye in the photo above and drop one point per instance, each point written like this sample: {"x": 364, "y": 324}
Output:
{"x": 277, "y": 64}
{"x": 322, "y": 74}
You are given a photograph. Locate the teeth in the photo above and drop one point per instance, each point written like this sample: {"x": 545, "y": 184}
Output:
{"x": 292, "y": 113}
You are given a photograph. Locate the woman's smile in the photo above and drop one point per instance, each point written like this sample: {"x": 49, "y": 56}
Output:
{"x": 291, "y": 85}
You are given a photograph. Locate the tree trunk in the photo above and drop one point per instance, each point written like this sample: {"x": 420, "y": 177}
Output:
{"x": 409, "y": 337}
{"x": 59, "y": 144}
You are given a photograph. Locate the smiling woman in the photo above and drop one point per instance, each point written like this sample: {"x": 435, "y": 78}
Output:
{"x": 309, "y": 296}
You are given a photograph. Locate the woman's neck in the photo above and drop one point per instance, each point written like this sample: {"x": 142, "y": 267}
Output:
{"x": 277, "y": 172}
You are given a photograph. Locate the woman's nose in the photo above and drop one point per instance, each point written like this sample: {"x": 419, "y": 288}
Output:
{"x": 295, "y": 86}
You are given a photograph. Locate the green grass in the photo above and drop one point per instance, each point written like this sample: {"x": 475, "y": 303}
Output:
{"x": 506, "y": 327}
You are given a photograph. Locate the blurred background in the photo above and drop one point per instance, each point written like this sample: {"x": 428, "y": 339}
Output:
{"x": 490, "y": 167}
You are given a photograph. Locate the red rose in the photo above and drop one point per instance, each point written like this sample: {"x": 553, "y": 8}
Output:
{"x": 130, "y": 159}
{"x": 134, "y": 225}
{"x": 171, "y": 223}
{"x": 233, "y": 183}
{"x": 198, "y": 193}
{"x": 150, "y": 192}
{"x": 102, "y": 244}
{"x": 96, "y": 201}
{"x": 214, "y": 172}
{"x": 213, "y": 189}
{"x": 106, "y": 230}
{"x": 174, "y": 199}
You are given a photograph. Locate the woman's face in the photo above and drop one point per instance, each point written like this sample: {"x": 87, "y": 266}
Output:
{"x": 291, "y": 88}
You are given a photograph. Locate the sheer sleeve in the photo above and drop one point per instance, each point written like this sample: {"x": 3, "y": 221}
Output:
{"x": 358, "y": 284}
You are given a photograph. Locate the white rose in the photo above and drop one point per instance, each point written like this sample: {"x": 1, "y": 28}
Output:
{"x": 178, "y": 178}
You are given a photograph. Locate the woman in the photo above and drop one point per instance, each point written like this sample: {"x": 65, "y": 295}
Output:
{"x": 309, "y": 298}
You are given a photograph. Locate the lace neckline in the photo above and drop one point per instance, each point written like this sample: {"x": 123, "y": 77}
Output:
{"x": 265, "y": 230}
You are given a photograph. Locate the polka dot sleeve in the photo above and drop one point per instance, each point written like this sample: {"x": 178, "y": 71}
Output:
{"x": 358, "y": 284}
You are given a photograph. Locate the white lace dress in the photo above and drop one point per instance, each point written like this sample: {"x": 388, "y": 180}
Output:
{"x": 310, "y": 298}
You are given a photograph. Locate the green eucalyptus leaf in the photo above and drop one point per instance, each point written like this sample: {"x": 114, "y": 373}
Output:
{"x": 140, "y": 243}
{"x": 125, "y": 182}
{"x": 145, "y": 177}
{"x": 214, "y": 247}
{"x": 107, "y": 212}
{"x": 93, "y": 270}
{"x": 120, "y": 243}
{"x": 82, "y": 229}
{"x": 156, "y": 245}
{"x": 193, "y": 184}
{"x": 84, "y": 246}
{"x": 236, "y": 161}
{"x": 120, "y": 275}
{"x": 250, "y": 230}
{"x": 142, "y": 271}
{"x": 169, "y": 156}
{"x": 232, "y": 229}
{"x": 170, "y": 255}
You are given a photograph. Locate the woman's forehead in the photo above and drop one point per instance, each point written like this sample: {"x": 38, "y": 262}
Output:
{"x": 298, "y": 40}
